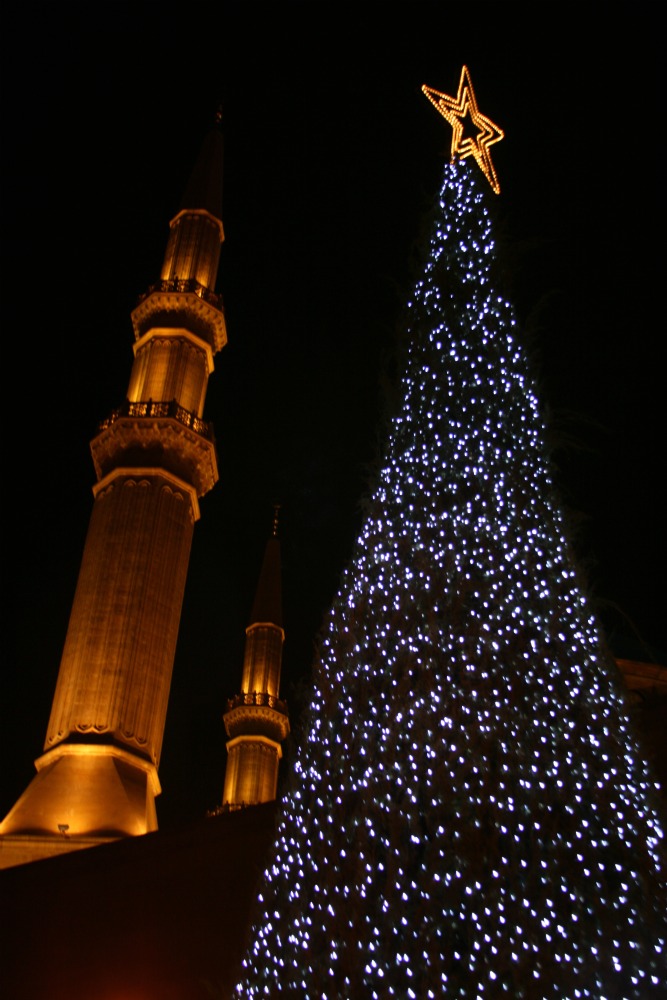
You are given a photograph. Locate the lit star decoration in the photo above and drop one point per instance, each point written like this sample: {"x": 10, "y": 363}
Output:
{"x": 469, "y": 814}
{"x": 455, "y": 109}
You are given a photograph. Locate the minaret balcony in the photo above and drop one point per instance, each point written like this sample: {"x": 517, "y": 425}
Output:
{"x": 157, "y": 408}
{"x": 160, "y": 434}
{"x": 186, "y": 303}
{"x": 256, "y": 713}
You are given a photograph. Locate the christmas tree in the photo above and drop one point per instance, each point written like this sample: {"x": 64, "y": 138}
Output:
{"x": 469, "y": 814}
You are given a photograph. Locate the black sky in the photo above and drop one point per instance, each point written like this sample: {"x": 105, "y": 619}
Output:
{"x": 333, "y": 158}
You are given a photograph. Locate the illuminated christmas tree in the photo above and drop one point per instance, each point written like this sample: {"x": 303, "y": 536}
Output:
{"x": 469, "y": 814}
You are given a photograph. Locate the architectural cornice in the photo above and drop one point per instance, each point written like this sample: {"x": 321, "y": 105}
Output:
{"x": 258, "y": 720}
{"x": 191, "y": 305}
{"x": 138, "y": 442}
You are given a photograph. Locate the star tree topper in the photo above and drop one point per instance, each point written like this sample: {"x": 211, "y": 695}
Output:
{"x": 455, "y": 109}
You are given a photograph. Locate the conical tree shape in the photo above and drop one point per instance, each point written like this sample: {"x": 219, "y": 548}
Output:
{"x": 469, "y": 814}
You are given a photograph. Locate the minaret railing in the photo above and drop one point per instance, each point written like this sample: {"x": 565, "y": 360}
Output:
{"x": 157, "y": 408}
{"x": 257, "y": 698}
{"x": 190, "y": 285}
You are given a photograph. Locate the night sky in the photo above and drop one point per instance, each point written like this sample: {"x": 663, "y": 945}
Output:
{"x": 333, "y": 160}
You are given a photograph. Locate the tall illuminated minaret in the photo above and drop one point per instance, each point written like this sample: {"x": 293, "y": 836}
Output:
{"x": 154, "y": 457}
{"x": 256, "y": 720}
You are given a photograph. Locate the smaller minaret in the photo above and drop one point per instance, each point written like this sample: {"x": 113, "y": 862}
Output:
{"x": 256, "y": 720}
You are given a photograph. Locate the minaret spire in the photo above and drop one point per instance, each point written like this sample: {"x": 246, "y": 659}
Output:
{"x": 154, "y": 458}
{"x": 256, "y": 719}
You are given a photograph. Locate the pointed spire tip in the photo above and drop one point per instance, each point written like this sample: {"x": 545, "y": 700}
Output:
{"x": 276, "y": 514}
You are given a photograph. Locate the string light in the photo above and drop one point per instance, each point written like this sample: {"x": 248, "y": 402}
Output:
{"x": 468, "y": 813}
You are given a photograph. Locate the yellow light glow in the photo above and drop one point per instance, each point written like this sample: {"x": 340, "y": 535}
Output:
{"x": 454, "y": 110}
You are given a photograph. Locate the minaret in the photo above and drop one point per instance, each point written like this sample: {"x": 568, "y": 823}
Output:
{"x": 154, "y": 457}
{"x": 256, "y": 720}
